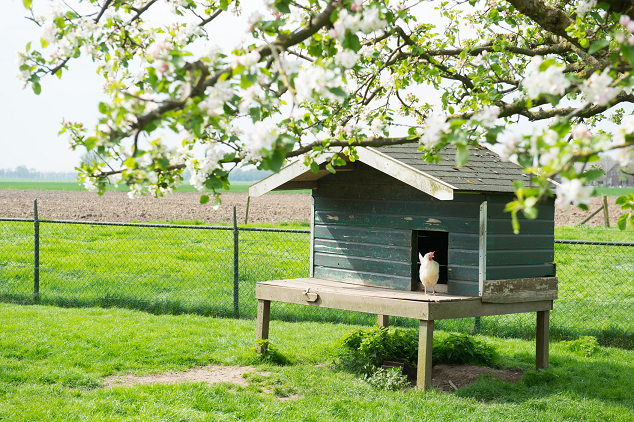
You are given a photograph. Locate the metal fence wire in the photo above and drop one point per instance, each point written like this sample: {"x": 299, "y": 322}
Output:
{"x": 212, "y": 270}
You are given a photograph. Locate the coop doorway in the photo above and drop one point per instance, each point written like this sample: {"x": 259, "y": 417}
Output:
{"x": 431, "y": 241}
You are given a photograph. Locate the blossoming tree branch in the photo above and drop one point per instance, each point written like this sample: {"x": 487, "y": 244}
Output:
{"x": 323, "y": 77}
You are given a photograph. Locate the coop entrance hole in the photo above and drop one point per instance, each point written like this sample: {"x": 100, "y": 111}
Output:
{"x": 432, "y": 241}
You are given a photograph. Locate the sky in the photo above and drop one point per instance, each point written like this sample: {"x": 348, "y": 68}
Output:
{"x": 30, "y": 123}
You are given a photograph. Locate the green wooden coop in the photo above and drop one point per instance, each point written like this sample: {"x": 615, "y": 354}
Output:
{"x": 372, "y": 217}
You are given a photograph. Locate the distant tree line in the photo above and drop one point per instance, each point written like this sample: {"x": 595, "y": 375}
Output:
{"x": 22, "y": 172}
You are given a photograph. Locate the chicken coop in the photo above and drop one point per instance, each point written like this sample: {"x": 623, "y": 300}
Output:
{"x": 372, "y": 218}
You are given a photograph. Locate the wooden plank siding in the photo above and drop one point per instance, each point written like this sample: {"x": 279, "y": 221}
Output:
{"x": 365, "y": 220}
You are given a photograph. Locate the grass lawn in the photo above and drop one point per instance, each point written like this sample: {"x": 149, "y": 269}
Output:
{"x": 53, "y": 361}
{"x": 612, "y": 191}
{"x": 171, "y": 271}
{"x": 236, "y": 187}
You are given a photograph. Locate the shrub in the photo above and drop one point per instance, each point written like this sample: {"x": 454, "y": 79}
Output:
{"x": 460, "y": 348}
{"x": 365, "y": 350}
{"x": 387, "y": 379}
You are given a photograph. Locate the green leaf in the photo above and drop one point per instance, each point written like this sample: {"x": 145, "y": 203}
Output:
{"x": 596, "y": 46}
{"x": 338, "y": 91}
{"x": 330, "y": 168}
{"x": 314, "y": 167}
{"x": 255, "y": 114}
{"x": 37, "y": 88}
{"x": 593, "y": 174}
{"x": 43, "y": 42}
{"x": 59, "y": 73}
{"x": 621, "y": 200}
{"x": 462, "y": 155}
{"x": 204, "y": 199}
{"x": 282, "y": 6}
{"x": 28, "y": 46}
{"x": 27, "y": 3}
{"x": 623, "y": 221}
{"x": 530, "y": 213}
{"x": 103, "y": 108}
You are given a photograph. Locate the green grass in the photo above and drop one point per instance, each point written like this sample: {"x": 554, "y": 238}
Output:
{"x": 236, "y": 187}
{"x": 173, "y": 271}
{"x": 612, "y": 191}
{"x": 53, "y": 361}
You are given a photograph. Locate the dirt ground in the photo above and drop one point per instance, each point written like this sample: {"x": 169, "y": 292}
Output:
{"x": 117, "y": 207}
{"x": 210, "y": 374}
{"x": 446, "y": 377}
{"x": 269, "y": 208}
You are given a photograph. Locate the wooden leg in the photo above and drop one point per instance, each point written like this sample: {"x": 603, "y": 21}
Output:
{"x": 264, "y": 312}
{"x": 383, "y": 320}
{"x": 425, "y": 344}
{"x": 541, "y": 356}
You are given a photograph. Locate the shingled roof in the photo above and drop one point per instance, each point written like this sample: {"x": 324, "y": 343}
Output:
{"x": 483, "y": 172}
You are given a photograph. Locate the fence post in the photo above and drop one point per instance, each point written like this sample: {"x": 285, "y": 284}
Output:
{"x": 246, "y": 215}
{"x": 606, "y": 216}
{"x": 36, "y": 254}
{"x": 236, "y": 272}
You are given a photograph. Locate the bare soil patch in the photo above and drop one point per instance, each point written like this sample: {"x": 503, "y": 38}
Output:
{"x": 574, "y": 215}
{"x": 270, "y": 208}
{"x": 443, "y": 376}
{"x": 211, "y": 374}
{"x": 117, "y": 207}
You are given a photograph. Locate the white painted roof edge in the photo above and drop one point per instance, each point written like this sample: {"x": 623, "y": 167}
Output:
{"x": 285, "y": 174}
{"x": 416, "y": 178}
{"x": 370, "y": 156}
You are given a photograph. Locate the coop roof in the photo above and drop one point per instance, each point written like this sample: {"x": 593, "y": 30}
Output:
{"x": 484, "y": 172}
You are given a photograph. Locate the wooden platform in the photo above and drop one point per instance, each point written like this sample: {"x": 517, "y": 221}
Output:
{"x": 384, "y": 302}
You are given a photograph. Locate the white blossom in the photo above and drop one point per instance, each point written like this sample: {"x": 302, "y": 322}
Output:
{"x": 626, "y": 128}
{"x": 89, "y": 184}
{"x": 264, "y": 136}
{"x": 550, "y": 81}
{"x": 488, "y": 116}
{"x": 158, "y": 48}
{"x": 597, "y": 88}
{"x": 626, "y": 156}
{"x": 585, "y": 6}
{"x": 371, "y": 21}
{"x": 436, "y": 126}
{"x": 136, "y": 191}
{"x": 573, "y": 192}
{"x": 347, "y": 58}
{"x": 316, "y": 80}
{"x": 480, "y": 58}
{"x": 581, "y": 131}
{"x": 377, "y": 125}
{"x": 550, "y": 137}
{"x": 508, "y": 146}
{"x": 49, "y": 32}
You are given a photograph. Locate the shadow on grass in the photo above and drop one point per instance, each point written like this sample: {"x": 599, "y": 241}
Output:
{"x": 568, "y": 377}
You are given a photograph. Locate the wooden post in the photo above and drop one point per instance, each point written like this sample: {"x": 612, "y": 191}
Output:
{"x": 264, "y": 313}
{"x": 246, "y": 214}
{"x": 425, "y": 345}
{"x": 383, "y": 320}
{"x": 606, "y": 216}
{"x": 541, "y": 340}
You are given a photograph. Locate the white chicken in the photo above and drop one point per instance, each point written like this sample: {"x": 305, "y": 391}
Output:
{"x": 429, "y": 271}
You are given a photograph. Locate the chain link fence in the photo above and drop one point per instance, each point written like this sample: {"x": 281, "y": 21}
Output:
{"x": 212, "y": 270}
